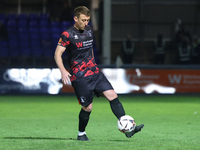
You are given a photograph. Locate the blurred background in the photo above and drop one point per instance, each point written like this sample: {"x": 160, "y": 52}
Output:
{"x": 130, "y": 34}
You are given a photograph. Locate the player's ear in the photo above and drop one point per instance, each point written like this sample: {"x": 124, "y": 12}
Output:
{"x": 75, "y": 18}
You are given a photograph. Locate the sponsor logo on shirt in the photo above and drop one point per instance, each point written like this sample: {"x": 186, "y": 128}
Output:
{"x": 85, "y": 44}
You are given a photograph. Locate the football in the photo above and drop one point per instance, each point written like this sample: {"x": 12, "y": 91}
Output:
{"x": 126, "y": 124}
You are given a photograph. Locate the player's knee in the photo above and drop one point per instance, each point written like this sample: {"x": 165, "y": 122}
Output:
{"x": 110, "y": 95}
{"x": 88, "y": 108}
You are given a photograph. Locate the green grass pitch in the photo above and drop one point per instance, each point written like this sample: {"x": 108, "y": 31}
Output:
{"x": 172, "y": 122}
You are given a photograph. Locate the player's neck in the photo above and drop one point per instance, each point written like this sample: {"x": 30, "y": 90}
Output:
{"x": 78, "y": 29}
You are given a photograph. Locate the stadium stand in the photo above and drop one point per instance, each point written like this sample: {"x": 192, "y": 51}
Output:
{"x": 33, "y": 36}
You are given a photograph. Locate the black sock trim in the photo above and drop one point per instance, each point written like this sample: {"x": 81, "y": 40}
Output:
{"x": 115, "y": 101}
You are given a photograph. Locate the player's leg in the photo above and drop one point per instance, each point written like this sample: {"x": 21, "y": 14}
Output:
{"x": 115, "y": 104}
{"x": 106, "y": 89}
{"x": 84, "y": 116}
{"x": 85, "y": 98}
{"x": 118, "y": 110}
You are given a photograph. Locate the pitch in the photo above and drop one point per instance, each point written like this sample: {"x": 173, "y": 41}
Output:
{"x": 51, "y": 122}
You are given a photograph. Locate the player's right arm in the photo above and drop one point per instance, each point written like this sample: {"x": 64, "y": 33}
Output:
{"x": 58, "y": 59}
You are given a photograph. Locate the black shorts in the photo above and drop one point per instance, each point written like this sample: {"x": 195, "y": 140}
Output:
{"x": 86, "y": 87}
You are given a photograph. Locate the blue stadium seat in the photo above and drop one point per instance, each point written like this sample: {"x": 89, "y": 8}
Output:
{"x": 23, "y": 30}
{"x": 11, "y": 26}
{"x": 55, "y": 30}
{"x": 33, "y": 16}
{"x": 55, "y": 24}
{"x": 25, "y": 48}
{"x": 44, "y": 17}
{"x": 44, "y": 30}
{"x": 34, "y": 36}
{"x": 36, "y": 48}
{"x": 33, "y": 23}
{"x": 11, "y": 23}
{"x": 45, "y": 37}
{"x": 12, "y": 30}
{"x": 23, "y": 33}
{"x": 44, "y": 23}
{"x": 12, "y": 16}
{"x": 3, "y": 18}
{"x": 34, "y": 33}
{"x": 33, "y": 30}
{"x": 65, "y": 24}
{"x": 14, "y": 48}
{"x": 13, "y": 37}
{"x": 3, "y": 21}
{"x": 23, "y": 36}
{"x": 22, "y": 23}
{"x": 4, "y": 49}
{"x": 47, "y": 48}
{"x": 49, "y": 51}
{"x": 22, "y": 16}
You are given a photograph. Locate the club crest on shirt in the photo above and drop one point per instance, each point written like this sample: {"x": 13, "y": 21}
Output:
{"x": 75, "y": 36}
{"x": 89, "y": 33}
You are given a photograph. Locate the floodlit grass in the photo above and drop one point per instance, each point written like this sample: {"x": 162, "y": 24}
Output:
{"x": 51, "y": 123}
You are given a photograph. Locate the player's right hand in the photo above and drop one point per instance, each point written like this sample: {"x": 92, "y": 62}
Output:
{"x": 65, "y": 77}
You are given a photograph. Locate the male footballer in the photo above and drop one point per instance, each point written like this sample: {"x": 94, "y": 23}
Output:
{"x": 84, "y": 75}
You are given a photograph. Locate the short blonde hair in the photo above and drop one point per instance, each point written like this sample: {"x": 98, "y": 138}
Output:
{"x": 81, "y": 10}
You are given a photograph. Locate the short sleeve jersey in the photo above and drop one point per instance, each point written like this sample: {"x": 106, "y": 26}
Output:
{"x": 79, "y": 47}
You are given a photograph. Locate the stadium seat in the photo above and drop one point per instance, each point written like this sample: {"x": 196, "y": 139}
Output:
{"x": 23, "y": 33}
{"x": 44, "y": 30}
{"x": 45, "y": 36}
{"x": 3, "y": 49}
{"x": 48, "y": 51}
{"x": 54, "y": 24}
{"x": 33, "y": 30}
{"x": 44, "y": 17}
{"x": 55, "y": 30}
{"x": 11, "y": 26}
{"x": 44, "y": 23}
{"x": 36, "y": 48}
{"x": 12, "y": 30}
{"x": 33, "y": 23}
{"x": 23, "y": 36}
{"x": 11, "y": 23}
{"x": 35, "y": 36}
{"x": 22, "y": 16}
{"x": 25, "y": 48}
{"x": 13, "y": 37}
{"x": 14, "y": 48}
{"x": 23, "y": 29}
{"x": 65, "y": 24}
{"x": 3, "y": 18}
{"x": 33, "y": 16}
{"x": 12, "y": 16}
{"x": 22, "y": 23}
{"x": 3, "y": 21}
{"x": 4, "y": 53}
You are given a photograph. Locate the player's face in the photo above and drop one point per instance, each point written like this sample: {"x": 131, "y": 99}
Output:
{"x": 81, "y": 22}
